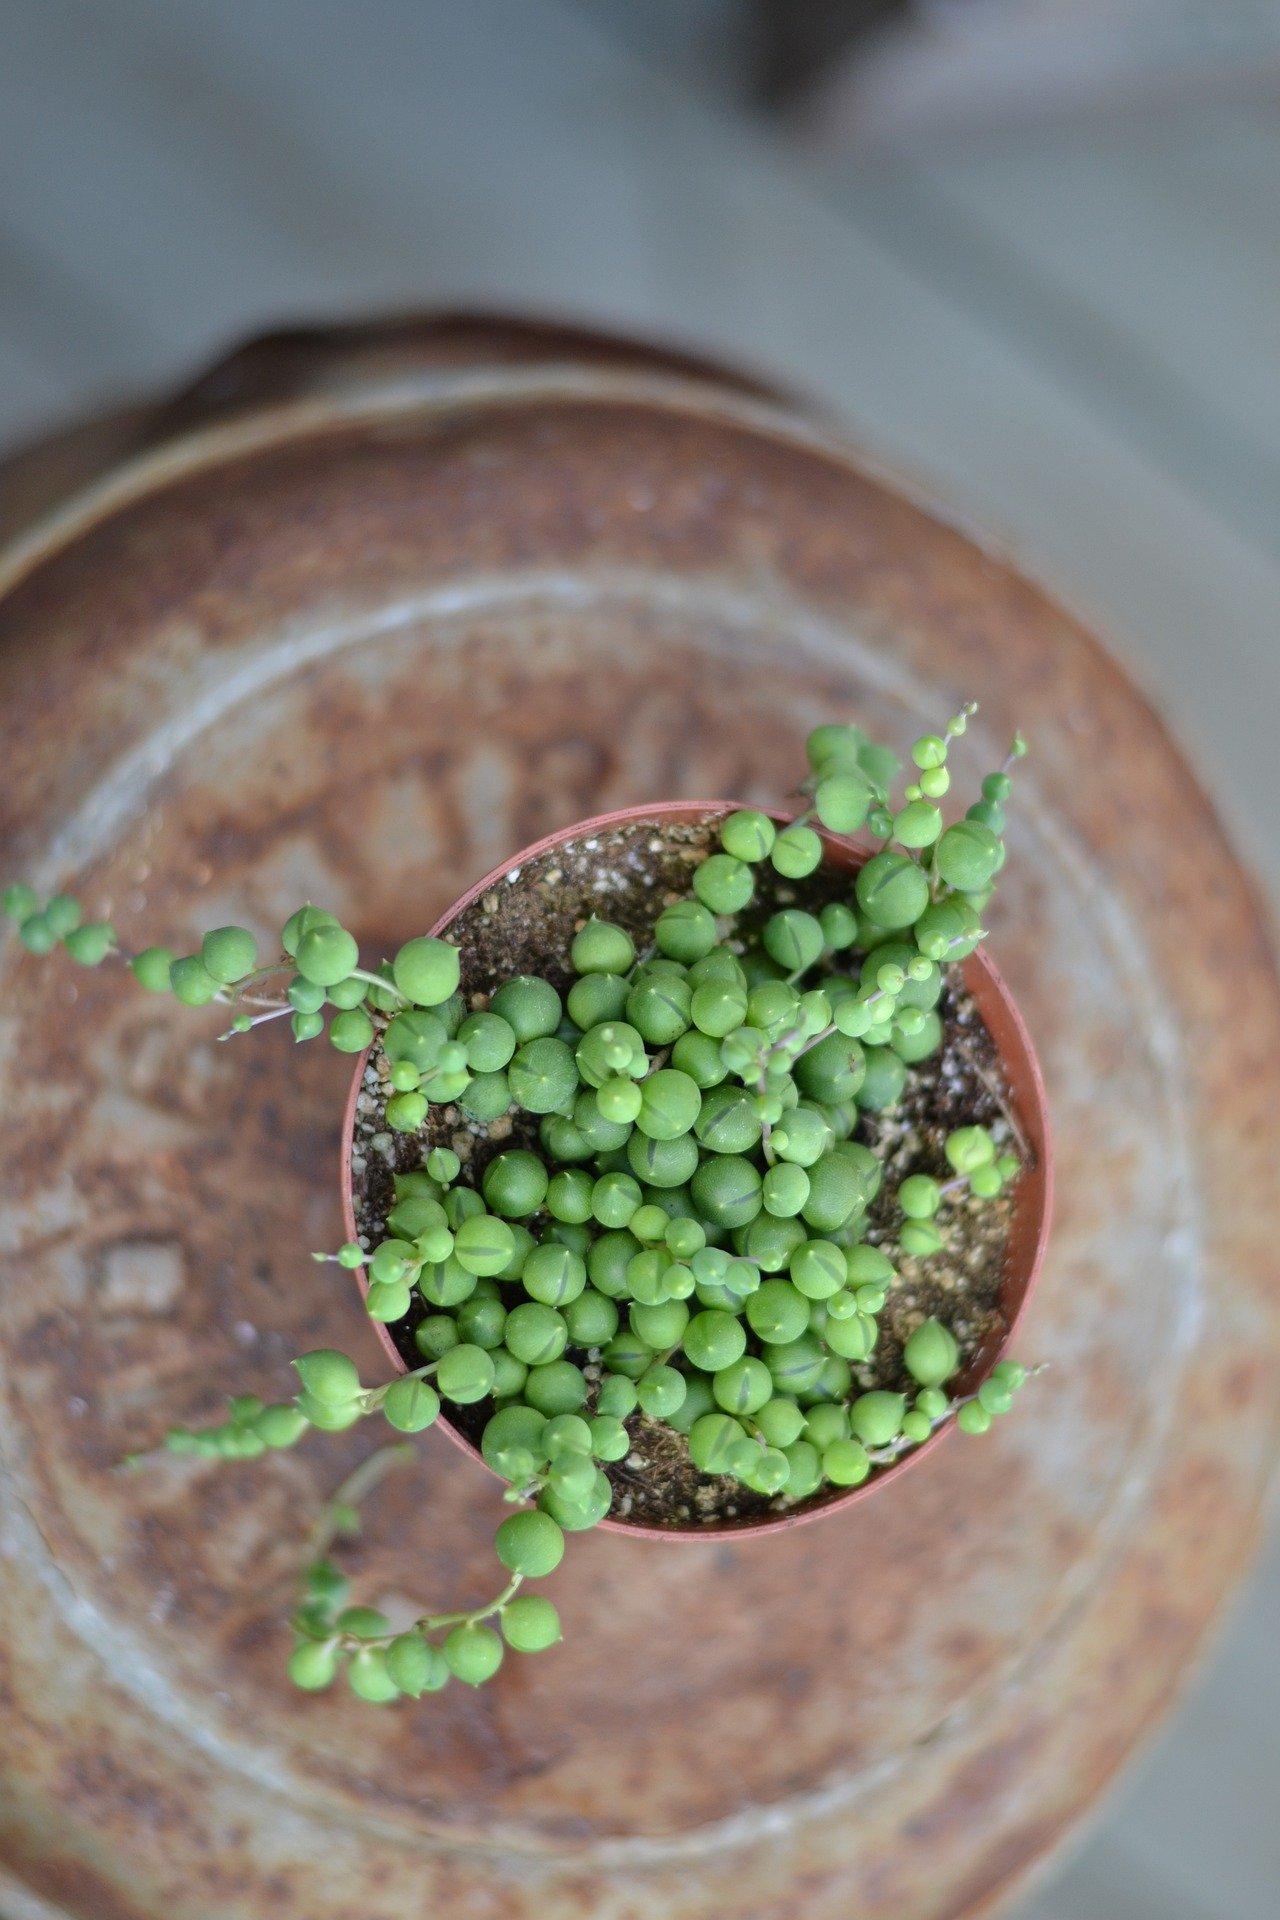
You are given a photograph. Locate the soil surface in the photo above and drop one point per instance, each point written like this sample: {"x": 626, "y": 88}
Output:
{"x": 628, "y": 875}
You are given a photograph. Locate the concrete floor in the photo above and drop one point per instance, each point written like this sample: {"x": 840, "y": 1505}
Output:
{"x": 1067, "y": 335}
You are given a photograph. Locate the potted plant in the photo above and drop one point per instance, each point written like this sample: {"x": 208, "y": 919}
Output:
{"x": 696, "y": 1171}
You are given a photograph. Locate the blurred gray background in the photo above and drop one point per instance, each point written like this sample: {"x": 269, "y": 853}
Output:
{"x": 1029, "y": 250}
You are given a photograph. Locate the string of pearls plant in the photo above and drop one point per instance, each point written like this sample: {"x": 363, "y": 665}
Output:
{"x": 687, "y": 1239}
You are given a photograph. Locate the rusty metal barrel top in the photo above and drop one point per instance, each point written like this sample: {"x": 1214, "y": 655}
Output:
{"x": 355, "y": 618}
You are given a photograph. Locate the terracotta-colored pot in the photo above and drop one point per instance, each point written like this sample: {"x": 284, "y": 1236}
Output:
{"x": 1033, "y": 1198}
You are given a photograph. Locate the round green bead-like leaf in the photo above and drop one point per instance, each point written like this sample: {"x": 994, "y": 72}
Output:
{"x": 876, "y": 1418}
{"x": 918, "y": 824}
{"x": 995, "y": 1396}
{"x": 535, "y": 1333}
{"x": 411, "y": 1405}
{"x": 553, "y": 1274}
{"x": 530, "y": 1623}
{"x": 530, "y": 1543}
{"x": 569, "y": 1196}
{"x": 531, "y": 1007}
{"x": 229, "y": 953}
{"x": 724, "y": 884}
{"x": 817, "y": 1269}
{"x": 845, "y": 1463}
{"x": 515, "y": 1183}
{"x": 804, "y": 1469}
{"x": 473, "y": 1653}
{"x": 601, "y": 947}
{"x": 660, "y": 1323}
{"x": 786, "y": 1189}
{"x": 662, "y": 1163}
{"x": 567, "y": 1433}
{"x": 830, "y": 1072}
{"x": 489, "y": 1041}
{"x": 619, "y": 1099}
{"x": 748, "y": 835}
{"x": 968, "y": 856}
{"x": 416, "y": 1038}
{"x": 777, "y": 1313}
{"x": 797, "y": 1365}
{"x": 838, "y": 1191}
{"x": 348, "y": 994}
{"x": 794, "y": 939}
{"x": 973, "y": 1417}
{"x": 21, "y": 901}
{"x": 660, "y": 1008}
{"x": 835, "y": 747}
{"x": 367, "y": 1676}
{"x": 405, "y": 1111}
{"x": 327, "y": 954}
{"x": 191, "y": 982}
{"x": 727, "y": 1190}
{"x": 920, "y": 1197}
{"x": 714, "y": 1339}
{"x": 718, "y": 1444}
{"x": 842, "y": 800}
{"x": 329, "y": 1419}
{"x": 884, "y": 1079}
{"x": 301, "y": 922}
{"x": 487, "y": 1097}
{"x": 968, "y": 1148}
{"x": 446, "y": 1283}
{"x": 89, "y": 945}
{"x": 615, "y": 1199}
{"x": 609, "y": 1438}
{"x": 931, "y": 1354}
{"x": 465, "y": 1374}
{"x": 425, "y": 970}
{"x": 685, "y": 931}
{"x": 513, "y": 1430}
{"x": 661, "y": 1390}
{"x": 839, "y": 925}
{"x": 744, "y": 1387}
{"x": 482, "y": 1320}
{"x": 150, "y": 969}
{"x": 416, "y": 1666}
{"x": 892, "y": 890}
{"x": 280, "y": 1426}
{"x": 351, "y": 1031}
{"x": 483, "y": 1244}
{"x": 63, "y": 914}
{"x": 797, "y": 851}
{"x": 670, "y": 1104}
{"x": 780, "y": 1422}
{"x": 329, "y": 1375}
{"x": 825, "y": 1423}
{"x": 577, "y": 1516}
{"x": 313, "y": 1665}
{"x": 717, "y": 1008}
{"x": 543, "y": 1075}
{"x": 727, "y": 1120}
{"x": 362, "y": 1623}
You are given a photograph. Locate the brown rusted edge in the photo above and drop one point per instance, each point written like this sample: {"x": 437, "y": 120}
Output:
{"x": 1033, "y": 1211}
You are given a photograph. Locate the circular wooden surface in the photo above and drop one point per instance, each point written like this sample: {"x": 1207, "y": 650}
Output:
{"x": 360, "y": 647}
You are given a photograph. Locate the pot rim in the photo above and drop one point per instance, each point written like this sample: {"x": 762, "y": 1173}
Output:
{"x": 1029, "y": 1233}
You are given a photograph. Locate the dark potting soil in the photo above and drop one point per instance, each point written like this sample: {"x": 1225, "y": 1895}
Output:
{"x": 628, "y": 874}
